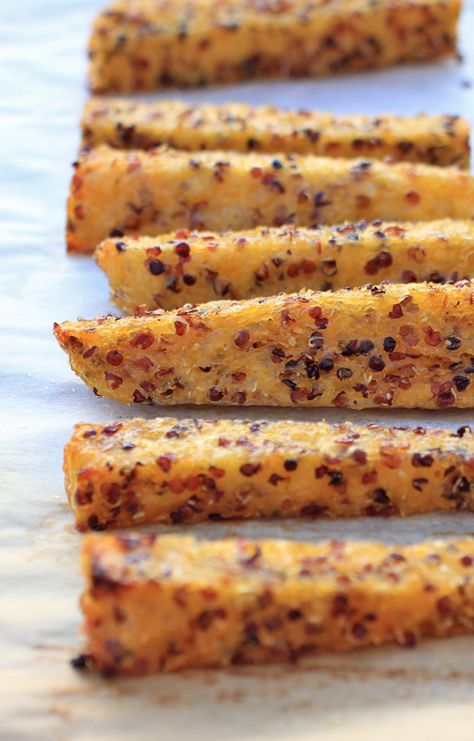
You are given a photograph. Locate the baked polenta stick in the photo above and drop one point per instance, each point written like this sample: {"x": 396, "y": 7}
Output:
{"x": 153, "y": 43}
{"x": 157, "y": 191}
{"x": 125, "y": 124}
{"x": 169, "y": 602}
{"x": 195, "y": 267}
{"x": 169, "y": 470}
{"x": 394, "y": 345}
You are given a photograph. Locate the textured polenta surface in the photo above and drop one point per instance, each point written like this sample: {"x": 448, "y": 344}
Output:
{"x": 394, "y": 345}
{"x": 421, "y": 693}
{"x": 170, "y": 470}
{"x": 195, "y": 267}
{"x": 125, "y": 124}
{"x": 149, "y": 44}
{"x": 170, "y": 602}
{"x": 156, "y": 191}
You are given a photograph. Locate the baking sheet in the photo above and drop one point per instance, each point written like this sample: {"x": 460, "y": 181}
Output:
{"x": 384, "y": 694}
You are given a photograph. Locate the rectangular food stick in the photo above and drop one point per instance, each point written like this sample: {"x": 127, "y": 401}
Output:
{"x": 148, "y": 44}
{"x": 169, "y": 470}
{"x": 152, "y": 192}
{"x": 171, "y": 602}
{"x": 396, "y": 345}
{"x": 194, "y": 267}
{"x": 126, "y": 124}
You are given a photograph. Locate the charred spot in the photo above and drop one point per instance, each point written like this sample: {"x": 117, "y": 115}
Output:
{"x": 320, "y": 200}
{"x": 349, "y": 349}
{"x": 206, "y": 618}
{"x": 380, "y": 497}
{"x": 215, "y": 394}
{"x": 251, "y": 634}
{"x": 445, "y": 606}
{"x": 413, "y": 198}
{"x": 242, "y": 338}
{"x": 316, "y": 341}
{"x": 464, "y": 430}
{"x": 113, "y": 381}
{"x": 424, "y": 461}
{"x": 84, "y": 496}
{"x": 408, "y": 640}
{"x": 360, "y": 456}
{"x": 365, "y": 346}
{"x": 294, "y": 615}
{"x": 455, "y": 485}
{"x": 277, "y": 354}
{"x": 396, "y": 312}
{"x": 82, "y": 662}
{"x": 101, "y": 579}
{"x": 381, "y": 261}
{"x": 376, "y": 363}
{"x": 274, "y": 479}
{"x": 312, "y": 511}
{"x": 326, "y": 364}
{"x": 239, "y": 397}
{"x": 250, "y": 469}
{"x": 445, "y": 396}
{"x": 340, "y": 606}
{"x": 111, "y": 429}
{"x": 114, "y": 357}
{"x": 182, "y": 514}
{"x": 89, "y": 353}
{"x": 418, "y": 484}
{"x": 336, "y": 478}
{"x": 312, "y": 369}
{"x": 142, "y": 340}
{"x": 251, "y": 561}
{"x": 171, "y": 283}
{"x": 359, "y": 631}
{"x": 461, "y": 382}
{"x": 389, "y": 344}
{"x": 453, "y": 343}
{"x": 312, "y": 134}
{"x": 156, "y": 267}
{"x": 182, "y": 249}
{"x": 344, "y": 373}
{"x": 165, "y": 462}
{"x": 409, "y": 276}
{"x": 138, "y": 397}
{"x": 329, "y": 267}
{"x": 382, "y": 505}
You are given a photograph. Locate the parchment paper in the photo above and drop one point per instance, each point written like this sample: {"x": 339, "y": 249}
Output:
{"x": 385, "y": 694}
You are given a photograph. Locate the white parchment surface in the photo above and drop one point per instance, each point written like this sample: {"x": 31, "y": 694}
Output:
{"x": 386, "y": 694}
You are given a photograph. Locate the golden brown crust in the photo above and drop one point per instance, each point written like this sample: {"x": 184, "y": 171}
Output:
{"x": 154, "y": 192}
{"x": 126, "y": 124}
{"x": 171, "y": 602}
{"x": 402, "y": 346}
{"x": 195, "y": 267}
{"x": 169, "y": 470}
{"x": 150, "y": 44}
